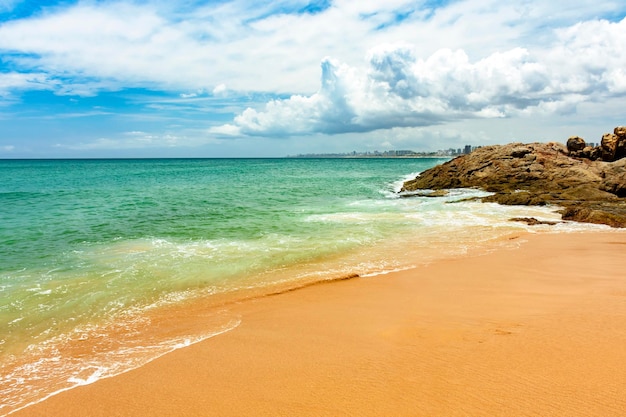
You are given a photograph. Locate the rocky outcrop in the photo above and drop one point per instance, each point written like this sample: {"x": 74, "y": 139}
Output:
{"x": 538, "y": 174}
{"x": 611, "y": 148}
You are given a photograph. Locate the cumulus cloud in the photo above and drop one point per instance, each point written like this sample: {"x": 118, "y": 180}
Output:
{"x": 398, "y": 89}
{"x": 592, "y": 56}
{"x": 258, "y": 46}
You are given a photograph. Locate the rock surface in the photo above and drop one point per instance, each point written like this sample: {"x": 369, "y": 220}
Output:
{"x": 592, "y": 191}
{"x": 531, "y": 221}
{"x": 575, "y": 144}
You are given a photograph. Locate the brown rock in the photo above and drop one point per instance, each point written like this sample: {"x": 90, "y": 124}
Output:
{"x": 609, "y": 146}
{"x": 520, "y": 151}
{"x": 575, "y": 144}
{"x": 537, "y": 174}
{"x": 591, "y": 153}
{"x": 614, "y": 178}
{"x": 612, "y": 147}
{"x": 620, "y": 151}
{"x": 427, "y": 193}
{"x": 504, "y": 169}
{"x": 531, "y": 221}
{"x": 613, "y": 216}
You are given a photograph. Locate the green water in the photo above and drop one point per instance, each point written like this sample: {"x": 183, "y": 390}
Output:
{"x": 83, "y": 239}
{"x": 87, "y": 247}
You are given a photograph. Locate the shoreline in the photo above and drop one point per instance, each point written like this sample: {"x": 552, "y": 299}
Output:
{"x": 477, "y": 334}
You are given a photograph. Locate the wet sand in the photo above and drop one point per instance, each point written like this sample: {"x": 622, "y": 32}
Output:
{"x": 539, "y": 330}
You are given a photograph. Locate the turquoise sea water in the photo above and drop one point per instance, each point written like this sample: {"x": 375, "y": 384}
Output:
{"x": 92, "y": 250}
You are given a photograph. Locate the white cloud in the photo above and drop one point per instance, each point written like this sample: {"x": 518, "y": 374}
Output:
{"x": 139, "y": 45}
{"x": 252, "y": 47}
{"x": 10, "y": 81}
{"x": 220, "y": 90}
{"x": 194, "y": 94}
{"x": 592, "y": 56}
{"x": 398, "y": 89}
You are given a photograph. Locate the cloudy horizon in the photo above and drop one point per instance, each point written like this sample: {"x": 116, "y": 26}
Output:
{"x": 228, "y": 78}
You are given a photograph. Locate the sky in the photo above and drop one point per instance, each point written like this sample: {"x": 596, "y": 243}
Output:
{"x": 232, "y": 78}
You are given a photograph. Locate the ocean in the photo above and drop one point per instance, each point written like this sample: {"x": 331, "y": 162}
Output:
{"x": 102, "y": 260}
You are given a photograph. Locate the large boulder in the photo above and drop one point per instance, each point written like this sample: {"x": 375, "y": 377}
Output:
{"x": 537, "y": 174}
{"x": 613, "y": 145}
{"x": 609, "y": 146}
{"x": 575, "y": 144}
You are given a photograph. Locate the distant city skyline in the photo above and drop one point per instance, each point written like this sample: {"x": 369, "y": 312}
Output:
{"x": 235, "y": 78}
{"x": 391, "y": 153}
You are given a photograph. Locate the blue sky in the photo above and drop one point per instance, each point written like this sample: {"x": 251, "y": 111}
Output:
{"x": 155, "y": 78}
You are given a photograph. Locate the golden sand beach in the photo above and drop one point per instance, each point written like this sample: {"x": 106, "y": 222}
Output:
{"x": 535, "y": 330}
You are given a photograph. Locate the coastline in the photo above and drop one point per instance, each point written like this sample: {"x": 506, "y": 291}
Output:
{"x": 532, "y": 330}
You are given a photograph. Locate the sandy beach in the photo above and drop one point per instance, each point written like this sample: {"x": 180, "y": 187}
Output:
{"x": 535, "y": 330}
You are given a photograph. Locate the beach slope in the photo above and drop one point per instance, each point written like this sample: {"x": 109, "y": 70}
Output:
{"x": 537, "y": 329}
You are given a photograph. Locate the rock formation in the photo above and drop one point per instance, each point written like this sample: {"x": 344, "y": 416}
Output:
{"x": 588, "y": 189}
{"x": 575, "y": 144}
{"x": 611, "y": 148}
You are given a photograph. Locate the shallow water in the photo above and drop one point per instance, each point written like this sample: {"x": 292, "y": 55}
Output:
{"x": 94, "y": 253}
